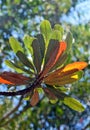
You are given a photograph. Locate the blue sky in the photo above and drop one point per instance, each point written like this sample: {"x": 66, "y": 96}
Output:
{"x": 78, "y": 15}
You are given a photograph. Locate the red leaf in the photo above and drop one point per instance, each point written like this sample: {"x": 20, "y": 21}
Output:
{"x": 35, "y": 98}
{"x": 49, "y": 94}
{"x": 13, "y": 78}
{"x": 61, "y": 47}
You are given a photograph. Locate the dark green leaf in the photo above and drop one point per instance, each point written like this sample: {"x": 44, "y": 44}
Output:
{"x": 51, "y": 47}
{"x": 41, "y": 45}
{"x": 59, "y": 94}
{"x": 22, "y": 57}
{"x": 37, "y": 54}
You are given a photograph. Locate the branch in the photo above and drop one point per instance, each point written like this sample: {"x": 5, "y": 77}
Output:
{"x": 26, "y": 90}
{"x": 15, "y": 116}
{"x": 12, "y": 111}
{"x": 20, "y": 92}
{"x": 88, "y": 125}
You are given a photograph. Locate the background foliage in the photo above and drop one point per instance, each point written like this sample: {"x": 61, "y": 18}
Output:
{"x": 20, "y": 17}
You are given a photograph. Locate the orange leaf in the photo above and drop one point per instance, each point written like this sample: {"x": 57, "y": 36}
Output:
{"x": 64, "y": 71}
{"x": 13, "y": 78}
{"x": 61, "y": 47}
{"x": 65, "y": 75}
{"x": 35, "y": 98}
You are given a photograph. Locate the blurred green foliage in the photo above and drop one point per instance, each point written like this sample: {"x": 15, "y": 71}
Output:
{"x": 20, "y": 17}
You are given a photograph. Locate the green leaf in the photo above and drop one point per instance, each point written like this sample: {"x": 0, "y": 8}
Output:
{"x": 56, "y": 35}
{"x": 59, "y": 28}
{"x": 15, "y": 45}
{"x": 13, "y": 66}
{"x": 17, "y": 1}
{"x": 51, "y": 48}
{"x": 17, "y": 68}
{"x": 41, "y": 45}
{"x": 28, "y": 96}
{"x": 74, "y": 104}
{"x": 45, "y": 28}
{"x": 53, "y": 101}
{"x": 28, "y": 42}
{"x": 22, "y": 57}
{"x": 37, "y": 55}
{"x": 69, "y": 40}
{"x": 62, "y": 89}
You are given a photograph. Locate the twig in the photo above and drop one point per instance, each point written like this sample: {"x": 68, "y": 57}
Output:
{"x": 26, "y": 90}
{"x": 88, "y": 125}
{"x": 15, "y": 116}
{"x": 20, "y": 92}
{"x": 12, "y": 111}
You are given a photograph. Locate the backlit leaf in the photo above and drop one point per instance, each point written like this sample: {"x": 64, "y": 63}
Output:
{"x": 75, "y": 66}
{"x": 53, "y": 101}
{"x": 35, "y": 98}
{"x": 16, "y": 67}
{"x": 74, "y": 104}
{"x": 13, "y": 66}
{"x": 28, "y": 42}
{"x": 69, "y": 40}
{"x": 45, "y": 28}
{"x": 56, "y": 35}
{"x": 59, "y": 28}
{"x": 68, "y": 69}
{"x": 13, "y": 78}
{"x": 15, "y": 45}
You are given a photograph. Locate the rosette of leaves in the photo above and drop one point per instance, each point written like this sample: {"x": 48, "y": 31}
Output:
{"x": 42, "y": 64}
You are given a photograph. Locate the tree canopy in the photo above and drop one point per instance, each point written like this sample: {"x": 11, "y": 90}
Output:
{"x": 32, "y": 42}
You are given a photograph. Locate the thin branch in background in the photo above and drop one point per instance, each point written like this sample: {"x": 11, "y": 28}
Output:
{"x": 15, "y": 116}
{"x": 87, "y": 126}
{"x": 12, "y": 111}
